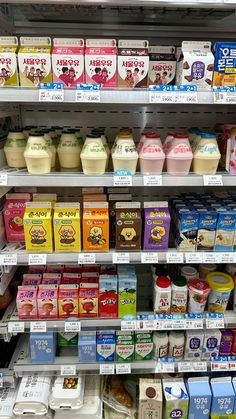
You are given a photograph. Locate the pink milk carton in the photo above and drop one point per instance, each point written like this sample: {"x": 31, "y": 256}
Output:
{"x": 31, "y": 279}
{"x": 68, "y": 61}
{"x": 100, "y": 62}
{"x": 13, "y": 213}
{"x": 26, "y": 302}
{"x": 47, "y": 302}
{"x": 51, "y": 279}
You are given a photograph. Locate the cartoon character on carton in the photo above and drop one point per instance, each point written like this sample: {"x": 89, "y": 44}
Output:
{"x": 128, "y": 234}
{"x": 37, "y": 234}
{"x": 156, "y": 234}
{"x": 95, "y": 236}
{"x": 67, "y": 234}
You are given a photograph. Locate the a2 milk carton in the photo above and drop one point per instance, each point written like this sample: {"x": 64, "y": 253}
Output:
{"x": 100, "y": 62}
{"x": 199, "y": 397}
{"x": 8, "y": 61}
{"x": 223, "y": 398}
{"x": 68, "y": 61}
{"x": 176, "y": 398}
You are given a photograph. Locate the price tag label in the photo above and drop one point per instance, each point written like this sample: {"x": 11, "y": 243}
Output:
{"x": 107, "y": 369}
{"x": 16, "y": 327}
{"x": 88, "y": 93}
{"x": 210, "y": 257}
{"x": 147, "y": 325}
{"x": 1, "y": 380}
{"x": 122, "y": 257}
{"x": 174, "y": 257}
{"x": 122, "y": 180}
{"x": 193, "y": 257}
{"x": 86, "y": 258}
{"x": 186, "y": 94}
{"x": 212, "y": 180}
{"x": 51, "y": 92}
{"x": 123, "y": 369}
{"x": 228, "y": 257}
{"x": 161, "y": 94}
{"x": 219, "y": 365}
{"x": 215, "y": 321}
{"x": 128, "y": 324}
{"x": 149, "y": 257}
{"x": 3, "y": 179}
{"x": 38, "y": 259}
{"x": 8, "y": 259}
{"x": 166, "y": 321}
{"x": 232, "y": 364}
{"x": 68, "y": 370}
{"x": 72, "y": 326}
{"x": 165, "y": 367}
{"x": 200, "y": 366}
{"x": 38, "y": 327}
{"x": 185, "y": 366}
{"x": 224, "y": 94}
{"x": 194, "y": 322}
{"x": 152, "y": 180}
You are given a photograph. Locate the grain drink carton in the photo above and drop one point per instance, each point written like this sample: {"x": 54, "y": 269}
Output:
{"x": 200, "y": 396}
{"x": 88, "y": 300}
{"x": 106, "y": 344}
{"x": 225, "y": 64}
{"x": 34, "y": 58}
{"x": 38, "y": 227}
{"x": 124, "y": 346}
{"x": 13, "y": 212}
{"x": 195, "y": 64}
{"x": 68, "y": 61}
{"x": 156, "y": 226}
{"x": 8, "y": 61}
{"x": 95, "y": 226}
{"x": 108, "y": 297}
{"x": 47, "y": 301}
{"x": 113, "y": 199}
{"x": 150, "y": 398}
{"x": 100, "y": 62}
{"x": 176, "y": 398}
{"x": 127, "y": 296}
{"x": 66, "y": 224}
{"x": 128, "y": 226}
{"x": 162, "y": 65}
{"x": 133, "y": 63}
{"x": 68, "y": 301}
{"x": 223, "y": 398}
{"x": 26, "y": 302}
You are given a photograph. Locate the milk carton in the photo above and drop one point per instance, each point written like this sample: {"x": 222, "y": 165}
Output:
{"x": 124, "y": 346}
{"x": 206, "y": 230}
{"x": 223, "y": 398}
{"x": 100, "y": 62}
{"x": 87, "y": 346}
{"x": 68, "y": 61}
{"x": 200, "y": 396}
{"x": 133, "y": 63}
{"x": 224, "y": 64}
{"x": 143, "y": 348}
{"x": 193, "y": 345}
{"x": 225, "y": 230}
{"x": 66, "y": 224}
{"x": 13, "y": 212}
{"x": 156, "y": 225}
{"x": 176, "y": 398}
{"x": 34, "y": 60}
{"x": 211, "y": 344}
{"x": 8, "y": 61}
{"x": 38, "y": 227}
{"x": 234, "y": 386}
{"x": 42, "y": 347}
{"x": 162, "y": 65}
{"x": 106, "y": 344}
{"x": 150, "y": 398}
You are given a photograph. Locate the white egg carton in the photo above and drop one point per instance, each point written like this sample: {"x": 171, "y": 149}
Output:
{"x": 67, "y": 395}
{"x": 33, "y": 395}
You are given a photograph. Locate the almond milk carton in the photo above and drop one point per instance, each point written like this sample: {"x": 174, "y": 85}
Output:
{"x": 34, "y": 58}
{"x": 100, "y": 62}
{"x": 68, "y": 61}
{"x": 8, "y": 61}
{"x": 133, "y": 63}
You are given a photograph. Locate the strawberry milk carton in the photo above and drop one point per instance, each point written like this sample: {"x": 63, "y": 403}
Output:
{"x": 88, "y": 300}
{"x": 32, "y": 279}
{"x": 68, "y": 61}
{"x": 133, "y": 63}
{"x": 47, "y": 301}
{"x": 68, "y": 301}
{"x": 100, "y": 62}
{"x": 8, "y": 61}
{"x": 26, "y": 302}
{"x": 13, "y": 213}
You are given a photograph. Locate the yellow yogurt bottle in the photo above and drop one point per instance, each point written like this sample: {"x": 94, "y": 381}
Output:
{"x": 14, "y": 149}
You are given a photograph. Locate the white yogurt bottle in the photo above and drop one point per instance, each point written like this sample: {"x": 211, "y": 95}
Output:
{"x": 189, "y": 272}
{"x": 69, "y": 150}
{"x": 179, "y": 298}
{"x": 37, "y": 154}
{"x": 160, "y": 345}
{"x": 51, "y": 146}
{"x": 93, "y": 156}
{"x": 125, "y": 156}
{"x": 14, "y": 149}
{"x": 162, "y": 295}
{"x": 176, "y": 345}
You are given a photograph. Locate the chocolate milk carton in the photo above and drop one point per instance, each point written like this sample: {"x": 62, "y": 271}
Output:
{"x": 162, "y": 65}
{"x": 68, "y": 61}
{"x": 8, "y": 61}
{"x": 133, "y": 63}
{"x": 156, "y": 225}
{"x": 128, "y": 226}
{"x": 150, "y": 398}
{"x": 100, "y": 62}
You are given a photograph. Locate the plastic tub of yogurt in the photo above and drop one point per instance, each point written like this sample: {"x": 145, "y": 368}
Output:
{"x": 206, "y": 157}
{"x": 198, "y": 294}
{"x": 179, "y": 156}
{"x": 221, "y": 285}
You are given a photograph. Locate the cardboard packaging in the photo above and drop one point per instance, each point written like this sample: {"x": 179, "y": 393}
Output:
{"x": 225, "y": 230}
{"x": 133, "y": 63}
{"x": 13, "y": 212}
{"x": 68, "y": 301}
{"x": 106, "y": 344}
{"x": 200, "y": 396}
{"x": 8, "y": 61}
{"x": 150, "y": 398}
{"x": 66, "y": 224}
{"x": 26, "y": 302}
{"x": 156, "y": 226}
{"x": 162, "y": 65}
{"x": 223, "y": 398}
{"x": 127, "y": 297}
{"x": 68, "y": 61}
{"x": 87, "y": 346}
{"x": 225, "y": 64}
{"x": 88, "y": 300}
{"x": 124, "y": 346}
{"x": 67, "y": 339}
{"x": 108, "y": 296}
{"x": 143, "y": 348}
{"x": 31, "y": 279}
{"x": 193, "y": 345}
{"x": 38, "y": 227}
{"x": 211, "y": 344}
{"x": 100, "y": 62}
{"x": 128, "y": 226}
{"x": 206, "y": 230}
{"x": 175, "y": 397}
{"x": 113, "y": 199}
{"x": 42, "y": 347}
{"x": 95, "y": 226}
{"x": 47, "y": 301}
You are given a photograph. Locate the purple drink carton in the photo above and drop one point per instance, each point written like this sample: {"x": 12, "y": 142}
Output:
{"x": 226, "y": 343}
{"x": 156, "y": 226}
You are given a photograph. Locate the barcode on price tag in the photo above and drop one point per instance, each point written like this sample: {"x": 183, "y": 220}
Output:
{"x": 215, "y": 321}
{"x": 185, "y": 366}
{"x": 122, "y": 257}
{"x": 3, "y": 179}
{"x": 194, "y": 321}
{"x": 123, "y": 369}
{"x": 38, "y": 259}
{"x": 68, "y": 370}
{"x": 107, "y": 369}
{"x": 86, "y": 258}
{"x": 152, "y": 180}
{"x": 8, "y": 259}
{"x": 227, "y": 257}
{"x": 210, "y": 257}
{"x": 149, "y": 257}
{"x": 186, "y": 94}
{"x": 200, "y": 366}
{"x": 174, "y": 257}
{"x": 72, "y": 326}
{"x": 212, "y": 180}
{"x": 224, "y": 94}
{"x": 161, "y": 94}
{"x": 88, "y": 93}
{"x": 51, "y": 92}
{"x": 219, "y": 365}
{"x": 193, "y": 257}
{"x": 16, "y": 327}
{"x": 38, "y": 327}
{"x": 128, "y": 324}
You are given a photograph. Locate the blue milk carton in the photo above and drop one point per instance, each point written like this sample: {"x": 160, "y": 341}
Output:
{"x": 223, "y": 398}
{"x": 42, "y": 347}
{"x": 225, "y": 230}
{"x": 206, "y": 230}
{"x": 187, "y": 228}
{"x": 234, "y": 386}
{"x": 106, "y": 344}
{"x": 200, "y": 396}
{"x": 87, "y": 346}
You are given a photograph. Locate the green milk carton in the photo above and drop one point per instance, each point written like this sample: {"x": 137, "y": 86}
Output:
{"x": 127, "y": 295}
{"x": 143, "y": 346}
{"x": 124, "y": 346}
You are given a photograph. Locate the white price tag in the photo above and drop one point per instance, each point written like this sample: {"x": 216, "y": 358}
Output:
{"x": 128, "y": 324}
{"x": 215, "y": 323}
{"x": 72, "y": 326}
{"x": 152, "y": 180}
{"x": 91, "y": 96}
{"x": 212, "y": 180}
{"x": 149, "y": 257}
{"x": 200, "y": 366}
{"x": 165, "y": 367}
{"x": 16, "y": 327}
{"x": 193, "y": 257}
{"x": 122, "y": 180}
{"x": 166, "y": 324}
{"x": 3, "y": 179}
{"x": 210, "y": 257}
{"x": 184, "y": 366}
{"x": 227, "y": 257}
{"x": 68, "y": 370}
{"x": 38, "y": 259}
{"x": 225, "y": 97}
{"x": 123, "y": 369}
{"x": 122, "y": 257}
{"x": 38, "y": 327}
{"x": 107, "y": 369}
{"x": 8, "y": 259}
{"x": 48, "y": 95}
{"x": 147, "y": 324}
{"x": 219, "y": 365}
{"x": 186, "y": 97}
{"x": 194, "y": 324}
{"x": 161, "y": 96}
{"x": 86, "y": 258}
{"x": 174, "y": 257}
{"x": 232, "y": 365}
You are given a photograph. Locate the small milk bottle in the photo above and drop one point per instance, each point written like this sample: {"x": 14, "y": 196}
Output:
{"x": 179, "y": 297}
{"x": 162, "y": 295}
{"x": 176, "y": 345}
{"x": 160, "y": 345}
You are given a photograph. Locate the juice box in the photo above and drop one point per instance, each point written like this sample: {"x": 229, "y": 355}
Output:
{"x": 124, "y": 346}
{"x": 77, "y": 269}
{"x": 67, "y": 339}
{"x": 34, "y": 59}
{"x": 150, "y": 398}
{"x": 47, "y": 301}
{"x": 95, "y": 267}
{"x": 223, "y": 398}
{"x": 66, "y": 225}
{"x": 42, "y": 347}
{"x": 128, "y": 226}
{"x": 199, "y": 397}
{"x": 233, "y": 348}
{"x": 100, "y": 62}
{"x": 156, "y": 226}
{"x": 108, "y": 297}
{"x": 8, "y": 61}
{"x": 127, "y": 295}
{"x": 88, "y": 300}
{"x": 143, "y": 346}
{"x": 13, "y": 212}
{"x": 224, "y": 64}
{"x": 31, "y": 279}
{"x": 68, "y": 61}
{"x": 176, "y": 398}
{"x": 95, "y": 226}
{"x": 26, "y": 302}
{"x": 106, "y": 346}
{"x": 133, "y": 63}
{"x": 57, "y": 269}
{"x": 71, "y": 279}
{"x": 68, "y": 301}
{"x": 38, "y": 227}
{"x": 90, "y": 277}
{"x": 51, "y": 279}
{"x": 87, "y": 346}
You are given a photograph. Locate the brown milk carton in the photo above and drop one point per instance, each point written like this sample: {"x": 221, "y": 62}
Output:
{"x": 8, "y": 61}
{"x": 162, "y": 65}
{"x": 133, "y": 63}
{"x": 113, "y": 199}
{"x": 150, "y": 398}
{"x": 128, "y": 226}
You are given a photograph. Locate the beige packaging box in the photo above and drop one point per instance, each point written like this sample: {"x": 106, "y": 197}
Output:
{"x": 150, "y": 398}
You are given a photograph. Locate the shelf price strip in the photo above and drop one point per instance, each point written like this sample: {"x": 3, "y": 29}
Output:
{"x": 51, "y": 92}
{"x": 107, "y": 369}
{"x": 88, "y": 93}
{"x": 220, "y": 364}
{"x": 37, "y": 259}
{"x": 8, "y": 259}
{"x": 68, "y": 370}
{"x": 215, "y": 321}
{"x": 3, "y": 179}
{"x": 123, "y": 368}
{"x": 224, "y": 94}
{"x": 173, "y": 94}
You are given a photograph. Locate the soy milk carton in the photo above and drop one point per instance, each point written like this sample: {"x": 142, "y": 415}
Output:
{"x": 34, "y": 58}
{"x": 100, "y": 62}
{"x": 8, "y": 61}
{"x": 68, "y": 61}
{"x": 38, "y": 227}
{"x": 176, "y": 399}
{"x": 133, "y": 63}
{"x": 223, "y": 398}
{"x": 199, "y": 397}
{"x": 66, "y": 224}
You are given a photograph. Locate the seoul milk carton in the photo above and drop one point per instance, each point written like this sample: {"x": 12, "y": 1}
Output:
{"x": 42, "y": 347}
{"x": 223, "y": 398}
{"x": 38, "y": 227}
{"x": 162, "y": 65}
{"x": 8, "y": 61}
{"x": 68, "y": 61}
{"x": 100, "y": 62}
{"x": 66, "y": 224}
{"x": 133, "y": 63}
{"x": 200, "y": 396}
{"x": 34, "y": 58}
{"x": 176, "y": 398}
{"x": 87, "y": 346}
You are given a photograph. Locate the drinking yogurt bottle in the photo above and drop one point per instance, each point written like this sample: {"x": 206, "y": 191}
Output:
{"x": 69, "y": 150}
{"x": 125, "y": 156}
{"x": 179, "y": 156}
{"x": 93, "y": 156}
{"x": 37, "y": 154}
{"x": 152, "y": 156}
{"x": 14, "y": 149}
{"x": 198, "y": 294}
{"x": 52, "y": 147}
{"x": 221, "y": 285}
{"x": 206, "y": 155}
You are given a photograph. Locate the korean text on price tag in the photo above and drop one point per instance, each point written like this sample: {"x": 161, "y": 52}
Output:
{"x": 88, "y": 93}
{"x": 220, "y": 364}
{"x": 38, "y": 327}
{"x": 152, "y": 180}
{"x": 16, "y": 327}
{"x": 194, "y": 321}
{"x": 174, "y": 257}
{"x": 128, "y": 325}
{"x": 122, "y": 257}
{"x": 123, "y": 369}
{"x": 185, "y": 366}
{"x": 1, "y": 379}
{"x": 122, "y": 178}
{"x": 72, "y": 326}
{"x": 226, "y": 257}
{"x": 215, "y": 321}
{"x": 193, "y": 257}
{"x": 37, "y": 259}
{"x": 212, "y": 180}
{"x": 224, "y": 94}
{"x": 3, "y": 179}
{"x": 161, "y": 94}
{"x": 186, "y": 94}
{"x": 149, "y": 257}
{"x": 51, "y": 92}
{"x": 8, "y": 259}
{"x": 86, "y": 258}
{"x": 210, "y": 257}
{"x": 200, "y": 366}
{"x": 165, "y": 365}
{"x": 68, "y": 370}
{"x": 107, "y": 369}
{"x": 232, "y": 363}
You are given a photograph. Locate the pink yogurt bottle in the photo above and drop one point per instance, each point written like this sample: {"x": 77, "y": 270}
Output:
{"x": 179, "y": 156}
{"x": 152, "y": 156}
{"x": 167, "y": 145}
{"x": 143, "y": 138}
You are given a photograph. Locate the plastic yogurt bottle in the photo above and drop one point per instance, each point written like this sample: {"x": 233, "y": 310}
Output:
{"x": 179, "y": 156}
{"x": 176, "y": 345}
{"x": 189, "y": 272}
{"x": 37, "y": 154}
{"x": 221, "y": 285}
{"x": 206, "y": 157}
{"x": 69, "y": 150}
{"x": 151, "y": 157}
{"x": 205, "y": 269}
{"x": 125, "y": 156}
{"x": 162, "y": 295}
{"x": 160, "y": 345}
{"x": 198, "y": 294}
{"x": 52, "y": 147}
{"x": 14, "y": 149}
{"x": 93, "y": 156}
{"x": 179, "y": 296}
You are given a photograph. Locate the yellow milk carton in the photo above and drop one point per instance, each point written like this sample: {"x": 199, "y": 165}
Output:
{"x": 8, "y": 61}
{"x": 45, "y": 197}
{"x": 34, "y": 58}
{"x": 38, "y": 227}
{"x": 66, "y": 225}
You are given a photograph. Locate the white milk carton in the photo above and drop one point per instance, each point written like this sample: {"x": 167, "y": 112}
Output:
{"x": 68, "y": 61}
{"x": 176, "y": 398}
{"x": 7, "y": 400}
{"x": 8, "y": 61}
{"x": 33, "y": 395}
{"x": 211, "y": 344}
{"x": 100, "y": 62}
{"x": 133, "y": 63}
{"x": 150, "y": 398}
{"x": 200, "y": 396}
{"x": 162, "y": 65}
{"x": 193, "y": 345}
